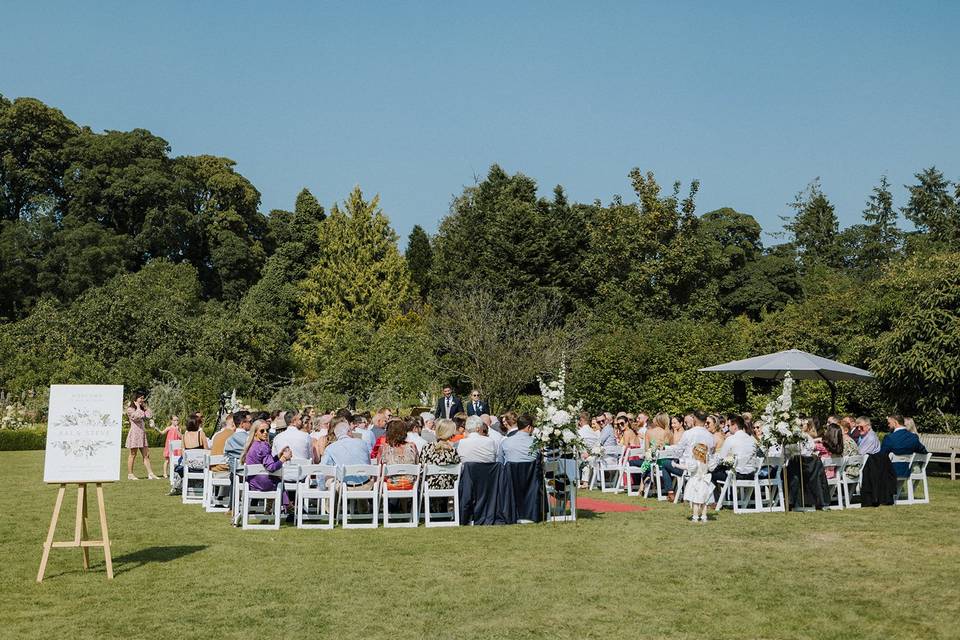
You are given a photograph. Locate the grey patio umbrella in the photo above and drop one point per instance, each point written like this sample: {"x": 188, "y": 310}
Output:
{"x": 800, "y": 364}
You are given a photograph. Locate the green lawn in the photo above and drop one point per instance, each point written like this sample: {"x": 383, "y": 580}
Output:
{"x": 182, "y": 573}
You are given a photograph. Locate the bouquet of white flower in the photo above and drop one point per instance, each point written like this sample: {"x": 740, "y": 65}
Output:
{"x": 556, "y": 425}
{"x": 779, "y": 426}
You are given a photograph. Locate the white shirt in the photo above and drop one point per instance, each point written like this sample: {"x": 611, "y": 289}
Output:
{"x": 477, "y": 448}
{"x": 300, "y": 443}
{"x": 590, "y": 437}
{"x": 496, "y": 436}
{"x": 691, "y": 438}
{"x": 744, "y": 447}
{"x": 417, "y": 441}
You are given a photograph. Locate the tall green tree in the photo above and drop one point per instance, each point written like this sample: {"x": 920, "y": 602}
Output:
{"x": 814, "y": 227}
{"x": 359, "y": 281}
{"x": 869, "y": 247}
{"x": 419, "y": 255}
{"x": 32, "y": 160}
{"x": 933, "y": 208}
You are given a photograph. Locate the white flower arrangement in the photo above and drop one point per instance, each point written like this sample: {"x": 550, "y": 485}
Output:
{"x": 779, "y": 426}
{"x": 556, "y": 429}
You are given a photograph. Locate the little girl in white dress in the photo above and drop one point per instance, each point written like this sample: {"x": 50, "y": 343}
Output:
{"x": 698, "y": 489}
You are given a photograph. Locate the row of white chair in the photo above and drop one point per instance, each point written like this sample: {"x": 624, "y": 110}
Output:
{"x": 322, "y": 493}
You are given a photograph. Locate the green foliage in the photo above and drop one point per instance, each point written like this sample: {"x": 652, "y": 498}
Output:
{"x": 419, "y": 256}
{"x": 815, "y": 227}
{"x": 35, "y": 438}
{"x": 933, "y": 208}
{"x": 918, "y": 359}
{"x": 297, "y": 395}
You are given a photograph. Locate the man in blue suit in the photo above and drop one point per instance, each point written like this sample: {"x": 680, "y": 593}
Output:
{"x": 900, "y": 442}
{"x": 476, "y": 406}
{"x": 449, "y": 405}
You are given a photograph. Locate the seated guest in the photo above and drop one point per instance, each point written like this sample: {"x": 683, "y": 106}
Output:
{"x": 607, "y": 435}
{"x": 691, "y": 437}
{"x": 741, "y": 445}
{"x": 628, "y": 433}
{"x": 414, "y": 429}
{"x": 347, "y": 450}
{"x": 658, "y": 434}
{"x": 428, "y": 432}
{"x": 441, "y": 452}
{"x": 320, "y": 426}
{"x": 492, "y": 433}
{"x": 901, "y": 442}
{"x": 677, "y": 429}
{"x": 257, "y": 451}
{"x": 235, "y": 444}
{"x": 714, "y": 426}
{"x": 911, "y": 425}
{"x": 868, "y": 442}
{"x": 396, "y": 450}
{"x": 833, "y": 446}
{"x": 518, "y": 448}
{"x": 509, "y": 422}
{"x": 193, "y": 438}
{"x": 295, "y": 438}
{"x": 361, "y": 429}
{"x": 325, "y": 439}
{"x": 218, "y": 444}
{"x": 476, "y": 447}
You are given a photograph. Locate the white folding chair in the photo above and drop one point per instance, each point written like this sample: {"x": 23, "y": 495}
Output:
{"x": 433, "y": 518}
{"x": 671, "y": 452}
{"x": 316, "y": 500}
{"x": 366, "y": 491}
{"x": 746, "y": 494}
{"x": 193, "y": 474}
{"x": 214, "y": 481}
{"x": 834, "y": 484}
{"x": 770, "y": 484}
{"x": 261, "y": 505}
{"x": 176, "y": 450}
{"x": 629, "y": 471}
{"x": 904, "y": 482}
{"x": 411, "y": 518}
{"x": 850, "y": 478}
{"x": 612, "y": 462}
{"x": 918, "y": 478}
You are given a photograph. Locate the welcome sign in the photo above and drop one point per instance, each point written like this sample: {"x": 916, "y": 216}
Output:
{"x": 83, "y": 433}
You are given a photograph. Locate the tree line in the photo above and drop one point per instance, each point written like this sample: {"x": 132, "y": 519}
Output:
{"x": 121, "y": 263}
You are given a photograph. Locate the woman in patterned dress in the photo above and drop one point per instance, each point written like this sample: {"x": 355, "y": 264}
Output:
{"x": 441, "y": 452}
{"x": 137, "y": 412}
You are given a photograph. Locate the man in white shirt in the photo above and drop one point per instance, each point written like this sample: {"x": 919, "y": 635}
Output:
{"x": 492, "y": 433}
{"x": 295, "y": 437}
{"x": 362, "y": 430}
{"x": 691, "y": 437}
{"x": 476, "y": 447}
{"x": 740, "y": 445}
{"x": 414, "y": 436}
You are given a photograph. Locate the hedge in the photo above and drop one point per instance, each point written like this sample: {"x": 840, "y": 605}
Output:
{"x": 33, "y": 438}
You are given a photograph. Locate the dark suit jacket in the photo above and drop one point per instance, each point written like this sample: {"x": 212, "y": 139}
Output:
{"x": 484, "y": 408}
{"x": 455, "y": 407}
{"x": 902, "y": 443}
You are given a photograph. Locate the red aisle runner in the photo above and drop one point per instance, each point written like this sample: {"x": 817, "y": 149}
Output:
{"x": 603, "y": 506}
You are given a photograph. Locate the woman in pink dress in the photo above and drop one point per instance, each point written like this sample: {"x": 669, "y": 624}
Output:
{"x": 137, "y": 412}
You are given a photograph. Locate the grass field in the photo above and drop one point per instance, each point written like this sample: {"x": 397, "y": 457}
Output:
{"x": 181, "y": 573}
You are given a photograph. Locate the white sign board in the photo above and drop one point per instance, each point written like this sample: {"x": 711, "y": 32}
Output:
{"x": 83, "y": 433}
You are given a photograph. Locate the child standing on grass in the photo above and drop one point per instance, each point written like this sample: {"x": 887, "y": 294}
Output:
{"x": 173, "y": 433}
{"x": 699, "y": 488}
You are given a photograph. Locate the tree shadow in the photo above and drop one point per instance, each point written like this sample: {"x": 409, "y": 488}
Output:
{"x": 151, "y": 555}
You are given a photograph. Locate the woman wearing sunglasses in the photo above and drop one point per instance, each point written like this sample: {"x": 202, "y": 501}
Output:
{"x": 257, "y": 451}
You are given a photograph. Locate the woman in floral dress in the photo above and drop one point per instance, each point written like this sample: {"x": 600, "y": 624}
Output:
{"x": 137, "y": 412}
{"x": 441, "y": 452}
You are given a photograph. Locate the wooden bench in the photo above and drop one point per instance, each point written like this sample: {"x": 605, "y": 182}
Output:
{"x": 945, "y": 448}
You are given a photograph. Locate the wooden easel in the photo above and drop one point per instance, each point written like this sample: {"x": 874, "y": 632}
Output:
{"x": 80, "y": 532}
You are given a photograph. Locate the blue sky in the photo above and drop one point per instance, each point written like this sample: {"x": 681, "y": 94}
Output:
{"x": 413, "y": 100}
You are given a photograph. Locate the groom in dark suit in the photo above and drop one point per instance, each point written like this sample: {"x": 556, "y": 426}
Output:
{"x": 476, "y": 406}
{"x": 449, "y": 405}
{"x": 900, "y": 442}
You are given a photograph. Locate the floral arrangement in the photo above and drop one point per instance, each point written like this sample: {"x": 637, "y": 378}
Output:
{"x": 650, "y": 457}
{"x": 556, "y": 425}
{"x": 730, "y": 462}
{"x": 780, "y": 427}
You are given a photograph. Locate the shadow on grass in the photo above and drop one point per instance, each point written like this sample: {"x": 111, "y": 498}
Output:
{"x": 151, "y": 555}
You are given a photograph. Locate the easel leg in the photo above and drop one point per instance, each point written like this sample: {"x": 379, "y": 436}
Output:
{"x": 80, "y": 532}
{"x": 50, "y": 532}
{"x": 103, "y": 531}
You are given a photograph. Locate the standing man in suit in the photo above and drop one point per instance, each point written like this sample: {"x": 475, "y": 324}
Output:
{"x": 476, "y": 406}
{"x": 449, "y": 405}
{"x": 901, "y": 442}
